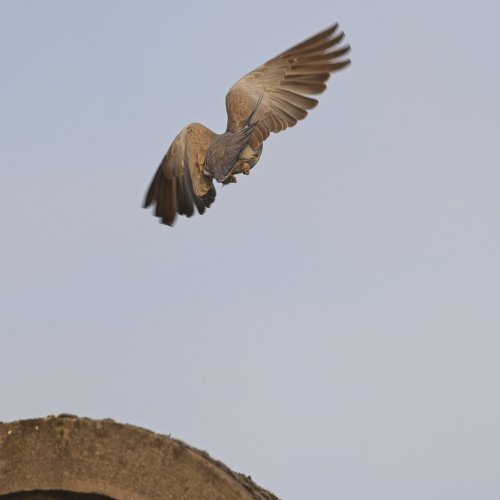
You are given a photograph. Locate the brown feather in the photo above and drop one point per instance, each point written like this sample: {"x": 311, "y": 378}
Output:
{"x": 179, "y": 185}
{"x": 271, "y": 98}
{"x": 286, "y": 82}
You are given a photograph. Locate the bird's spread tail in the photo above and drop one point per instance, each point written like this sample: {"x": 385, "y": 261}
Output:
{"x": 226, "y": 148}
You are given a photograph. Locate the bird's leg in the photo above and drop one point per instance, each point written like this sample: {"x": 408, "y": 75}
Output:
{"x": 229, "y": 180}
{"x": 245, "y": 167}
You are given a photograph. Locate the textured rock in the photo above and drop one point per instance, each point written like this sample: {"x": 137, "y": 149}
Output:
{"x": 101, "y": 459}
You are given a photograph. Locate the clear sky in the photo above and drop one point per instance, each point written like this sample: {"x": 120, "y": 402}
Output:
{"x": 331, "y": 325}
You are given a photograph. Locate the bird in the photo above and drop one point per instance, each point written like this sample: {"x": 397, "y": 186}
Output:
{"x": 271, "y": 98}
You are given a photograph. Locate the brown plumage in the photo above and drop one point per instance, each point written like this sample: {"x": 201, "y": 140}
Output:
{"x": 270, "y": 98}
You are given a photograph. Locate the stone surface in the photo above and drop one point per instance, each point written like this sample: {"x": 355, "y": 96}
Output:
{"x": 48, "y": 458}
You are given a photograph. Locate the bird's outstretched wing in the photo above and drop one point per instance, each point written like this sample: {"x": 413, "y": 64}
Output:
{"x": 179, "y": 183}
{"x": 284, "y": 84}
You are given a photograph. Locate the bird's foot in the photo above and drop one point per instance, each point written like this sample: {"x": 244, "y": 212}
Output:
{"x": 245, "y": 168}
{"x": 229, "y": 180}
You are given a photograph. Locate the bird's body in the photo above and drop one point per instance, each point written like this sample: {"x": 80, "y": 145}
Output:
{"x": 269, "y": 99}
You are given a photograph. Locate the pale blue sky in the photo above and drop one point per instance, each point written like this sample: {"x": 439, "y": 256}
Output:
{"x": 331, "y": 326}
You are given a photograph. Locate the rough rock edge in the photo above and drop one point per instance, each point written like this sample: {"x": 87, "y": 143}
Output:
{"x": 245, "y": 481}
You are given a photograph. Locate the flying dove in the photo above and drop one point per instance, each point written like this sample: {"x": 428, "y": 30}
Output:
{"x": 270, "y": 98}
